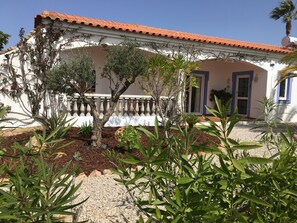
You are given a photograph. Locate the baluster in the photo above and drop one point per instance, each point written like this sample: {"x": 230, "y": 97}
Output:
{"x": 154, "y": 107}
{"x": 115, "y": 110}
{"x": 82, "y": 109}
{"x": 107, "y": 104}
{"x": 120, "y": 109}
{"x": 75, "y": 109}
{"x": 125, "y": 107}
{"x": 101, "y": 109}
{"x": 131, "y": 107}
{"x": 148, "y": 107}
{"x": 142, "y": 107}
{"x": 69, "y": 106}
{"x": 61, "y": 105}
{"x": 88, "y": 110}
{"x": 136, "y": 108}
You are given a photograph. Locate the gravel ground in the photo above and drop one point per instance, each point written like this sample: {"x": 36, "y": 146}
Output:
{"x": 109, "y": 202}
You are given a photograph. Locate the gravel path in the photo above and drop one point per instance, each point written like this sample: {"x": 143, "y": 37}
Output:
{"x": 108, "y": 200}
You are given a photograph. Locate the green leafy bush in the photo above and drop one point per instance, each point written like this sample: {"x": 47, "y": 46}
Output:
{"x": 86, "y": 129}
{"x": 36, "y": 189}
{"x": 58, "y": 123}
{"x": 128, "y": 138}
{"x": 172, "y": 183}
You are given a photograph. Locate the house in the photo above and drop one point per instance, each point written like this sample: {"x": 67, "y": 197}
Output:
{"x": 248, "y": 70}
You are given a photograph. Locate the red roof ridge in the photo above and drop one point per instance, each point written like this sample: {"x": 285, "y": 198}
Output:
{"x": 148, "y": 30}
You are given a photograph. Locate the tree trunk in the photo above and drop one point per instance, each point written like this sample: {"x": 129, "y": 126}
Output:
{"x": 288, "y": 28}
{"x": 99, "y": 124}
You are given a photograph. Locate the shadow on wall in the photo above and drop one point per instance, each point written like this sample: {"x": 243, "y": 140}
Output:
{"x": 283, "y": 112}
{"x": 288, "y": 114}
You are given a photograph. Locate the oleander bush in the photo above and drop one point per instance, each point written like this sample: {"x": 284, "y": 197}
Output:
{"x": 34, "y": 188}
{"x": 174, "y": 182}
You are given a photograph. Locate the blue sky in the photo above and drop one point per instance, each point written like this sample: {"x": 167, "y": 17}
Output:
{"x": 246, "y": 20}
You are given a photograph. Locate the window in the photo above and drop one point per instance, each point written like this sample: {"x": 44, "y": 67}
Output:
{"x": 284, "y": 91}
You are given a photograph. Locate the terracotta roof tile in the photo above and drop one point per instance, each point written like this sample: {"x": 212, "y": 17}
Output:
{"x": 157, "y": 32}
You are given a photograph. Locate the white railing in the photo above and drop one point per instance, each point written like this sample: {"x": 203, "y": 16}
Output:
{"x": 137, "y": 109}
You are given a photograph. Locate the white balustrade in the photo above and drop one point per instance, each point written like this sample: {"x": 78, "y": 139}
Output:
{"x": 129, "y": 107}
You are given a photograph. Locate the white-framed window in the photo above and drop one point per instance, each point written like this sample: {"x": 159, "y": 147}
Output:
{"x": 284, "y": 91}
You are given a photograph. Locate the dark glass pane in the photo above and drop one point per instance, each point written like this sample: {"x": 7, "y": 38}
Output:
{"x": 196, "y": 96}
{"x": 242, "y": 105}
{"x": 243, "y": 87}
{"x": 282, "y": 89}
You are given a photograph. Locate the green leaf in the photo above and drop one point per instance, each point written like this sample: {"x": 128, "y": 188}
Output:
{"x": 130, "y": 161}
{"x": 176, "y": 219}
{"x": 164, "y": 175}
{"x": 185, "y": 180}
{"x": 255, "y": 160}
{"x": 247, "y": 146}
{"x": 177, "y": 197}
{"x": 255, "y": 199}
{"x": 147, "y": 133}
{"x": 291, "y": 192}
{"x": 238, "y": 165}
{"x": 221, "y": 171}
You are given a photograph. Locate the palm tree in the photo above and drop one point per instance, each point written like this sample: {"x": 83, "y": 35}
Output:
{"x": 286, "y": 11}
{"x": 289, "y": 71}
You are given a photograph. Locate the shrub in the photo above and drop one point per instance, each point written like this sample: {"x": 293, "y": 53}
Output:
{"x": 86, "y": 130}
{"x": 222, "y": 95}
{"x": 36, "y": 190}
{"x": 128, "y": 138}
{"x": 58, "y": 123}
{"x": 174, "y": 184}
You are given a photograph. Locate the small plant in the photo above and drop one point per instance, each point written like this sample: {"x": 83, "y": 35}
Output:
{"x": 37, "y": 190}
{"x": 86, "y": 130}
{"x": 58, "y": 123}
{"x": 222, "y": 95}
{"x": 191, "y": 120}
{"x": 128, "y": 137}
{"x": 77, "y": 156}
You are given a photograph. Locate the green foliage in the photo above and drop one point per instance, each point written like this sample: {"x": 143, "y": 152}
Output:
{"x": 286, "y": 11}
{"x": 172, "y": 183}
{"x": 163, "y": 78}
{"x": 3, "y": 39}
{"x": 191, "y": 120}
{"x": 57, "y": 123}
{"x": 222, "y": 94}
{"x": 86, "y": 129}
{"x": 37, "y": 189}
{"x": 74, "y": 76}
{"x": 126, "y": 62}
{"x": 129, "y": 137}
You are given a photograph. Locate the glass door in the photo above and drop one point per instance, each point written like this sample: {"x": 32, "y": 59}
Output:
{"x": 242, "y": 94}
{"x": 195, "y": 97}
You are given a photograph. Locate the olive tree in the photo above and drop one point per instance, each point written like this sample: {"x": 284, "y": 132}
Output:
{"x": 124, "y": 63}
{"x": 168, "y": 77}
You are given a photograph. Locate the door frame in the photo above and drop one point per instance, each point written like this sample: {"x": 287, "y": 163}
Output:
{"x": 205, "y": 78}
{"x": 235, "y": 76}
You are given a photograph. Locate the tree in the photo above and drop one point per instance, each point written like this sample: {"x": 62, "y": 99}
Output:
{"x": 291, "y": 68}
{"x": 124, "y": 63}
{"x": 168, "y": 77}
{"x": 3, "y": 39}
{"x": 286, "y": 11}
{"x": 25, "y": 68}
